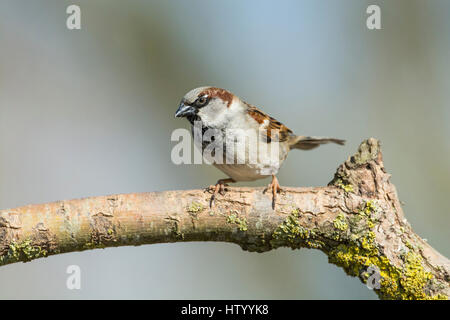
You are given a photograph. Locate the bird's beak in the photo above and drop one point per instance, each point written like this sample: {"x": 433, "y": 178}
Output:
{"x": 184, "y": 110}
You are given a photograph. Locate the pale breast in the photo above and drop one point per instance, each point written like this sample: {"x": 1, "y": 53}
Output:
{"x": 242, "y": 154}
{"x": 241, "y": 172}
{"x": 248, "y": 158}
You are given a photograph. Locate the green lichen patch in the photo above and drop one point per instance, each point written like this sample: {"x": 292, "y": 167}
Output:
{"x": 195, "y": 207}
{"x": 291, "y": 233}
{"x": 365, "y": 220}
{"x": 371, "y": 211}
{"x": 240, "y": 222}
{"x": 23, "y": 251}
{"x": 340, "y": 222}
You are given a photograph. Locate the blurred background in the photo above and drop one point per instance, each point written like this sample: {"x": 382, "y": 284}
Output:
{"x": 90, "y": 112}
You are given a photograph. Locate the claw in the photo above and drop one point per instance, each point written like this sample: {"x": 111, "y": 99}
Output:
{"x": 274, "y": 186}
{"x": 219, "y": 188}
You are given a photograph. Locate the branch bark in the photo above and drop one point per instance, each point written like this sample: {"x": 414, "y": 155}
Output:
{"x": 357, "y": 220}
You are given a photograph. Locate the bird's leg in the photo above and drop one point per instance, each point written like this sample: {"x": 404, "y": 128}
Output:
{"x": 273, "y": 186}
{"x": 219, "y": 187}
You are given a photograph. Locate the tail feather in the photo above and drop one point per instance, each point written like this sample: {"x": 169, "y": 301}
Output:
{"x": 308, "y": 143}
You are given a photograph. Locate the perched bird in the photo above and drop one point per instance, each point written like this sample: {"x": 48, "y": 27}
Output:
{"x": 245, "y": 143}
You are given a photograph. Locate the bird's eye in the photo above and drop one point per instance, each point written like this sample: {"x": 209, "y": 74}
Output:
{"x": 201, "y": 101}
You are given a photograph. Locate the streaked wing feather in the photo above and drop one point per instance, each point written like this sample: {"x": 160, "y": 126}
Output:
{"x": 273, "y": 127}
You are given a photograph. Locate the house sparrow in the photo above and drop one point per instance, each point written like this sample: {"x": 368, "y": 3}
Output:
{"x": 234, "y": 123}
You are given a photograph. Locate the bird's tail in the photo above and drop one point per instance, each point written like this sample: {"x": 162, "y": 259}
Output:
{"x": 308, "y": 143}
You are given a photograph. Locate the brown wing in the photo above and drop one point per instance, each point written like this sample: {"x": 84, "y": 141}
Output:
{"x": 274, "y": 127}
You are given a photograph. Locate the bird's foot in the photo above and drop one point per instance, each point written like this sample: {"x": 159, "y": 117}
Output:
{"x": 219, "y": 187}
{"x": 275, "y": 188}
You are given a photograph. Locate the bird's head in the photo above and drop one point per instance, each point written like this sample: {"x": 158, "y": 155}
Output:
{"x": 211, "y": 105}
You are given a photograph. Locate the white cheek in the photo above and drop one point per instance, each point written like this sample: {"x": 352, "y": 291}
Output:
{"x": 219, "y": 115}
{"x": 214, "y": 115}
{"x": 211, "y": 116}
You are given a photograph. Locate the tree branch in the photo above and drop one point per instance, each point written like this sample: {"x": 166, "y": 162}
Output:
{"x": 357, "y": 220}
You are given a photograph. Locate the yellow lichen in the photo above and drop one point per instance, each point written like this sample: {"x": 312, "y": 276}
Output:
{"x": 356, "y": 254}
{"x": 368, "y": 208}
{"x": 346, "y": 187}
{"x": 407, "y": 283}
